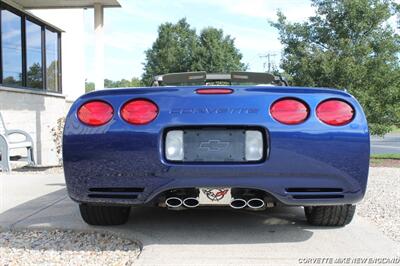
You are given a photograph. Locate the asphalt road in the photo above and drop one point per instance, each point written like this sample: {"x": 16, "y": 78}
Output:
{"x": 387, "y": 144}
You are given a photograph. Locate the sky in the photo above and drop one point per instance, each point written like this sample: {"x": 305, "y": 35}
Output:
{"x": 131, "y": 30}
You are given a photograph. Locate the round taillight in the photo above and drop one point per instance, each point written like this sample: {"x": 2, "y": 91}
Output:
{"x": 335, "y": 112}
{"x": 95, "y": 113}
{"x": 289, "y": 111}
{"x": 139, "y": 112}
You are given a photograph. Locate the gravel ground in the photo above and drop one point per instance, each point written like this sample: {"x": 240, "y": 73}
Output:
{"x": 65, "y": 248}
{"x": 381, "y": 203}
{"x": 384, "y": 163}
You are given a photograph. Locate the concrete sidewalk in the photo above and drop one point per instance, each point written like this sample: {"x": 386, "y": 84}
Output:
{"x": 196, "y": 237}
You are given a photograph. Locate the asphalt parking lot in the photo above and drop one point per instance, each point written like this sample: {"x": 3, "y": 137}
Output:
{"x": 390, "y": 143}
{"x": 195, "y": 237}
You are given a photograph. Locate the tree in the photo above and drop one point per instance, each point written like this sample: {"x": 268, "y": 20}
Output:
{"x": 123, "y": 83}
{"x": 52, "y": 76}
{"x": 217, "y": 53}
{"x": 172, "y": 51}
{"x": 178, "y": 48}
{"x": 89, "y": 86}
{"x": 34, "y": 76}
{"x": 348, "y": 44}
{"x": 10, "y": 80}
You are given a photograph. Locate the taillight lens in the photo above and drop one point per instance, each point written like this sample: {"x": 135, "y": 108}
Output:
{"x": 139, "y": 112}
{"x": 335, "y": 112}
{"x": 95, "y": 113}
{"x": 289, "y": 111}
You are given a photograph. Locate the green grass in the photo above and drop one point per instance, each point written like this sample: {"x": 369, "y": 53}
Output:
{"x": 395, "y": 129}
{"x": 395, "y": 156}
{"x": 375, "y": 161}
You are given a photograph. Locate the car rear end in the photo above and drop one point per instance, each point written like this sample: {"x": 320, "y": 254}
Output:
{"x": 182, "y": 146}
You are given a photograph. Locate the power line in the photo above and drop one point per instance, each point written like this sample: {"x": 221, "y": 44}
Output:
{"x": 268, "y": 62}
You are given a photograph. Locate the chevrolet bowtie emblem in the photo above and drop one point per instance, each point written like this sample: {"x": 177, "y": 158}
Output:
{"x": 214, "y": 145}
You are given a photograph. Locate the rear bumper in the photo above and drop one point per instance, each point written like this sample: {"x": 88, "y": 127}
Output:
{"x": 287, "y": 190}
{"x": 335, "y": 165}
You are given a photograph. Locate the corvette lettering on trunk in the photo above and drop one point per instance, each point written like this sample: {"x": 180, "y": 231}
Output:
{"x": 216, "y": 111}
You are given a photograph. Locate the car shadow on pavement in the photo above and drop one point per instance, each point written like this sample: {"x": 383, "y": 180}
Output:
{"x": 219, "y": 226}
{"x": 151, "y": 225}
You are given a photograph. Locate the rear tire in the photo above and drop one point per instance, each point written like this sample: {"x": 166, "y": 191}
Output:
{"x": 104, "y": 215}
{"x": 339, "y": 215}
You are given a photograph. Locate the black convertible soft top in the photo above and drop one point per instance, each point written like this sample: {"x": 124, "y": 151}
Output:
{"x": 202, "y": 77}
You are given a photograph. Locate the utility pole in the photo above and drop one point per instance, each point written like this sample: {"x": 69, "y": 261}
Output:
{"x": 268, "y": 57}
{"x": 398, "y": 21}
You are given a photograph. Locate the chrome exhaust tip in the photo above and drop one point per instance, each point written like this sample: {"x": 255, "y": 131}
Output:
{"x": 255, "y": 203}
{"x": 191, "y": 202}
{"x": 238, "y": 203}
{"x": 173, "y": 202}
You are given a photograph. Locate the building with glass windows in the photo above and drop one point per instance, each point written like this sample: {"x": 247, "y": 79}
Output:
{"x": 42, "y": 68}
{"x": 30, "y": 55}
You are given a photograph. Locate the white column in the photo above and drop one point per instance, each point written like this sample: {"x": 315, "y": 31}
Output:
{"x": 99, "y": 43}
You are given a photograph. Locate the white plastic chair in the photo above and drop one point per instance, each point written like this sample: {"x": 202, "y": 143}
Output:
{"x": 7, "y": 144}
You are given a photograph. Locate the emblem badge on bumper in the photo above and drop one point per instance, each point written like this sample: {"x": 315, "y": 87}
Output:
{"x": 215, "y": 195}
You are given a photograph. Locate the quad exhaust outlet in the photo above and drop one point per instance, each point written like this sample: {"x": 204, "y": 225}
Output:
{"x": 173, "y": 202}
{"x": 191, "y": 202}
{"x": 238, "y": 203}
{"x": 255, "y": 203}
{"x": 179, "y": 201}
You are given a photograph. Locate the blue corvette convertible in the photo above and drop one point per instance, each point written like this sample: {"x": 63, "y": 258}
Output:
{"x": 241, "y": 140}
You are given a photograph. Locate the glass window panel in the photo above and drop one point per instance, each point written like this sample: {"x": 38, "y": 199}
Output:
{"x": 34, "y": 74}
{"x": 12, "y": 48}
{"x": 52, "y": 60}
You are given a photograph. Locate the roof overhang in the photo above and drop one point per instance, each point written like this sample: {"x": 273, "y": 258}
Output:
{"x": 21, "y": 9}
{"x": 47, "y": 4}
